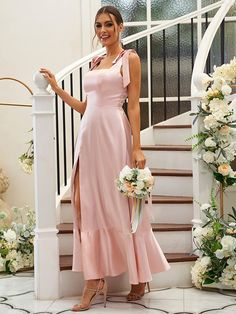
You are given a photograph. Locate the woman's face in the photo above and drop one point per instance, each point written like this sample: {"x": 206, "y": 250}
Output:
{"x": 107, "y": 29}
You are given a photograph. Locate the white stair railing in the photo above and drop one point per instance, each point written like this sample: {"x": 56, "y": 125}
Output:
{"x": 46, "y": 241}
{"x": 202, "y": 177}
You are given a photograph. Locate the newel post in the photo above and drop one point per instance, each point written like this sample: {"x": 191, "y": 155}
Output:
{"x": 46, "y": 240}
{"x": 202, "y": 176}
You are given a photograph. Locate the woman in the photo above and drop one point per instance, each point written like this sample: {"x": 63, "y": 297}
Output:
{"x": 103, "y": 242}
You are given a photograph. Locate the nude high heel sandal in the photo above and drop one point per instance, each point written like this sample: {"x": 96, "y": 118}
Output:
{"x": 101, "y": 289}
{"x": 134, "y": 296}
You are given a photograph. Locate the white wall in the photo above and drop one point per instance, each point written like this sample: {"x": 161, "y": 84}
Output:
{"x": 33, "y": 34}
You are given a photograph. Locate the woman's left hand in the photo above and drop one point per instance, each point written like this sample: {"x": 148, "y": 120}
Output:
{"x": 138, "y": 159}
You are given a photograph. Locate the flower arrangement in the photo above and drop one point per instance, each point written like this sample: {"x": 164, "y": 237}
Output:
{"x": 17, "y": 242}
{"x": 137, "y": 184}
{"x": 217, "y": 140}
{"x": 216, "y": 245}
{"x": 26, "y": 160}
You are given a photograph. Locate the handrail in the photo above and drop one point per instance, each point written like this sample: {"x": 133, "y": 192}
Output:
{"x": 79, "y": 63}
{"x": 9, "y": 104}
{"x": 18, "y": 81}
{"x": 206, "y": 43}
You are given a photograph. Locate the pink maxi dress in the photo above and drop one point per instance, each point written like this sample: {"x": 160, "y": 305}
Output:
{"x": 103, "y": 243}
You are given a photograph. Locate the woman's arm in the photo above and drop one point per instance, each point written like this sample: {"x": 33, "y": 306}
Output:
{"x": 138, "y": 157}
{"x": 79, "y": 106}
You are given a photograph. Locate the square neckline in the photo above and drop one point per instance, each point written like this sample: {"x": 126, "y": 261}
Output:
{"x": 120, "y": 55}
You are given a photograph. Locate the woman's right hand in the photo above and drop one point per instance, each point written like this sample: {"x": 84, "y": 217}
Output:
{"x": 50, "y": 77}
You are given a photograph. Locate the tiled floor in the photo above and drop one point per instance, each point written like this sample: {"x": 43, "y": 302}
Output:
{"x": 17, "y": 297}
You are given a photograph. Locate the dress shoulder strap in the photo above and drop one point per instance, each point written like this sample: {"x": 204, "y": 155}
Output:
{"x": 95, "y": 61}
{"x": 125, "y": 66}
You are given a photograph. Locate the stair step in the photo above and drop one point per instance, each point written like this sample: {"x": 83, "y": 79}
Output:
{"x": 66, "y": 260}
{"x": 171, "y": 227}
{"x": 165, "y": 156}
{"x": 171, "y": 172}
{"x": 156, "y": 199}
{"x": 172, "y": 126}
{"x": 167, "y": 147}
{"x": 163, "y": 199}
{"x": 66, "y": 228}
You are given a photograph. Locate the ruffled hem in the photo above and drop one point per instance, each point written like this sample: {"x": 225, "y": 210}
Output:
{"x": 107, "y": 252}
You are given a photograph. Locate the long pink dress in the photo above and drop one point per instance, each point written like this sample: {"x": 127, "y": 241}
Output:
{"x": 103, "y": 242}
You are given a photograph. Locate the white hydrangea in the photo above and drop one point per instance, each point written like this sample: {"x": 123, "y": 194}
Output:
{"x": 226, "y": 71}
{"x": 198, "y": 271}
{"x": 218, "y": 83}
{"x": 217, "y": 104}
{"x": 210, "y": 122}
{"x": 228, "y": 276}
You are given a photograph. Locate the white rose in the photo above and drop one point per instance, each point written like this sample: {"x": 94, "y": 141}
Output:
{"x": 143, "y": 174}
{"x": 9, "y": 235}
{"x": 208, "y": 157}
{"x": 228, "y": 243}
{"x": 219, "y": 254}
{"x": 140, "y": 185}
{"x": 209, "y": 142}
{"x": 217, "y": 104}
{"x": 124, "y": 172}
{"x": 226, "y": 89}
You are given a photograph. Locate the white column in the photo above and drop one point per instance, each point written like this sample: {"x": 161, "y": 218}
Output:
{"x": 202, "y": 176}
{"x": 46, "y": 241}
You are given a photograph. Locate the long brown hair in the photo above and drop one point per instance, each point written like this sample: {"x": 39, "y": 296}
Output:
{"x": 110, "y": 10}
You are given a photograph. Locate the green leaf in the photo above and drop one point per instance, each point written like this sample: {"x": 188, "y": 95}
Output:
{"x": 208, "y": 281}
{"x": 219, "y": 177}
{"x": 230, "y": 181}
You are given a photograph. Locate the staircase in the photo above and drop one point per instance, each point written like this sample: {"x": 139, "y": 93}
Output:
{"x": 172, "y": 212}
{"x": 179, "y": 175}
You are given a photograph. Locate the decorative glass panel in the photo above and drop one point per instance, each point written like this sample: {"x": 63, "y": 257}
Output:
{"x": 144, "y": 115}
{"x": 171, "y": 9}
{"x": 171, "y": 61}
{"x": 131, "y": 10}
{"x": 141, "y": 47}
{"x": 231, "y": 12}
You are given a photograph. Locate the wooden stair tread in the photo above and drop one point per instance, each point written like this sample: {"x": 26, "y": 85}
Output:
{"x": 171, "y": 172}
{"x": 67, "y": 228}
{"x": 66, "y": 260}
{"x": 171, "y": 227}
{"x": 168, "y": 199}
{"x": 156, "y": 199}
{"x": 167, "y": 147}
{"x": 172, "y": 126}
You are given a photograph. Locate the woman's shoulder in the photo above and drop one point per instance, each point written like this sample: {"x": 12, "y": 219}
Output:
{"x": 133, "y": 56}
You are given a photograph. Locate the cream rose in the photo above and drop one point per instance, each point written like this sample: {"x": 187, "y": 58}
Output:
{"x": 224, "y": 169}
{"x": 224, "y": 130}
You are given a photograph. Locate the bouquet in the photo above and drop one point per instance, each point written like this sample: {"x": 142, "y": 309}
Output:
{"x": 136, "y": 183}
